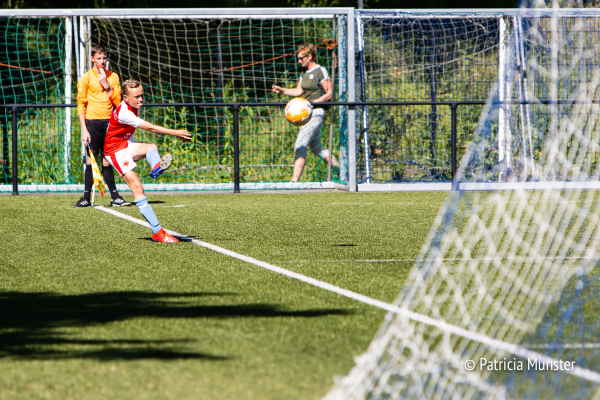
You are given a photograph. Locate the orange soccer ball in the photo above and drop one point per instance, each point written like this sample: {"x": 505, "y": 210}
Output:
{"x": 298, "y": 111}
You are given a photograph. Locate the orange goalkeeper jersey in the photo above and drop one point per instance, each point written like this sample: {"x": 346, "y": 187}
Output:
{"x": 94, "y": 102}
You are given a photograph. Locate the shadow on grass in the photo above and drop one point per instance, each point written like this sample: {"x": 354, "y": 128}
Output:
{"x": 180, "y": 237}
{"x": 32, "y": 324}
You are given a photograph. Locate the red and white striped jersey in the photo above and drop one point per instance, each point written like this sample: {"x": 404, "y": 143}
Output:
{"x": 121, "y": 127}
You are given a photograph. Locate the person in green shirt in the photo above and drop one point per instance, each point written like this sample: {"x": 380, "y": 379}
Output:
{"x": 315, "y": 86}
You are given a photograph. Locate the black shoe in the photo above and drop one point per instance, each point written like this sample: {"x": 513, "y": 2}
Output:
{"x": 119, "y": 202}
{"x": 82, "y": 203}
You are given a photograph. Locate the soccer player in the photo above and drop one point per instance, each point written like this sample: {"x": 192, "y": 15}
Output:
{"x": 313, "y": 85}
{"x": 98, "y": 93}
{"x": 122, "y": 152}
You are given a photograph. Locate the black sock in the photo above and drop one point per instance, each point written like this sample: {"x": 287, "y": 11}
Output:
{"x": 109, "y": 178}
{"x": 88, "y": 181}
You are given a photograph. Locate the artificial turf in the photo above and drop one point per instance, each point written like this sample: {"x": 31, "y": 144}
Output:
{"x": 91, "y": 308}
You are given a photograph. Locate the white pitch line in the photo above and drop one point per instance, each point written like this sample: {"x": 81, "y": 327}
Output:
{"x": 514, "y": 349}
{"x": 124, "y": 216}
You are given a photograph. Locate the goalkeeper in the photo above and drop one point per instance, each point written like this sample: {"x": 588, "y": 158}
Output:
{"x": 122, "y": 152}
{"x": 98, "y": 93}
{"x": 315, "y": 85}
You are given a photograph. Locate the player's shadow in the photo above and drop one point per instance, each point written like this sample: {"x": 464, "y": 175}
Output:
{"x": 181, "y": 238}
{"x": 52, "y": 326}
{"x": 185, "y": 238}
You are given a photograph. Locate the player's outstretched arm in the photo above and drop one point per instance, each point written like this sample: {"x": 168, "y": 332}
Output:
{"x": 180, "y": 133}
{"x": 294, "y": 92}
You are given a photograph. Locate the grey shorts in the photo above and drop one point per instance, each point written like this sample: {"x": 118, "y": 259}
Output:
{"x": 310, "y": 136}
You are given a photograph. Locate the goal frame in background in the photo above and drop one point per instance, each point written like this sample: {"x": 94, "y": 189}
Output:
{"x": 78, "y": 30}
{"x": 502, "y": 84}
{"x": 78, "y": 25}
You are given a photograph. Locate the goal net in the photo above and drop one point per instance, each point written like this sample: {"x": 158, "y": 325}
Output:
{"x": 453, "y": 56}
{"x": 179, "y": 59}
{"x": 505, "y": 289}
{"x": 421, "y": 57}
{"x": 32, "y": 71}
{"x": 215, "y": 61}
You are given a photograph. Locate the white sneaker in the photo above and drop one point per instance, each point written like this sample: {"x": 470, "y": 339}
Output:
{"x": 165, "y": 163}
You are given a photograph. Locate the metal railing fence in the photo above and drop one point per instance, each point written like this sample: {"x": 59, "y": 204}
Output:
{"x": 235, "y": 108}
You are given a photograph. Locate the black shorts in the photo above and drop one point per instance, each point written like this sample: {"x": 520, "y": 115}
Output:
{"x": 97, "y": 129}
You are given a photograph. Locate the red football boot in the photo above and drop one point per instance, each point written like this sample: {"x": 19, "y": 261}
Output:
{"x": 164, "y": 237}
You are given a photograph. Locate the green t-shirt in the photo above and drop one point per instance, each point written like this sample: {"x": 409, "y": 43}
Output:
{"x": 312, "y": 83}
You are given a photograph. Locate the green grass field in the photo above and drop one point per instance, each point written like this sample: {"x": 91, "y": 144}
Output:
{"x": 90, "y": 308}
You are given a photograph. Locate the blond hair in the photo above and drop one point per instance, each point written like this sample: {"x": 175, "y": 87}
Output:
{"x": 307, "y": 49}
{"x": 129, "y": 84}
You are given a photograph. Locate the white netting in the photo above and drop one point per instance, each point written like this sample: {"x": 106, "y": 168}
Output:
{"x": 208, "y": 60}
{"x": 509, "y": 276}
{"x": 420, "y": 57}
{"x": 192, "y": 59}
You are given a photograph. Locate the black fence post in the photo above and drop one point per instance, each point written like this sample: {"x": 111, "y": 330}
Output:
{"x": 454, "y": 156}
{"x": 5, "y": 145}
{"x": 236, "y": 148}
{"x": 15, "y": 180}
